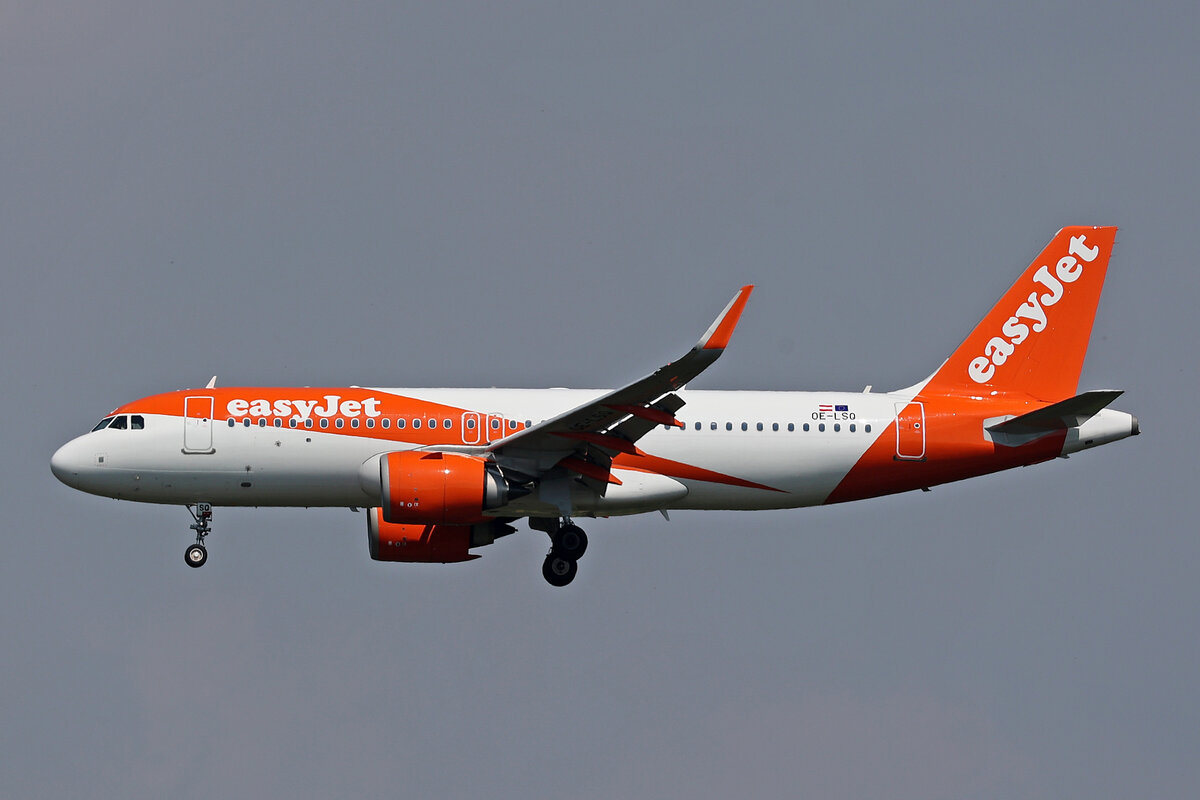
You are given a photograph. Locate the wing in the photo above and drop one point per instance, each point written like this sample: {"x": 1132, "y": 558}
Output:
{"x": 584, "y": 440}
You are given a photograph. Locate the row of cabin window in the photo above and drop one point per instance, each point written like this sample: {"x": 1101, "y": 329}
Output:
{"x": 386, "y": 422}
{"x": 448, "y": 424}
{"x": 791, "y": 426}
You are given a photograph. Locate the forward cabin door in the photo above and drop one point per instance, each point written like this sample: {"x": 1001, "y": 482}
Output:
{"x": 910, "y": 431}
{"x": 197, "y": 424}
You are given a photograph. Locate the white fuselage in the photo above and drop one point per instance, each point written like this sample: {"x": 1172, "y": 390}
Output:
{"x": 781, "y": 448}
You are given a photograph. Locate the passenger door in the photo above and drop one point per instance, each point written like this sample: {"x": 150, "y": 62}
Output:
{"x": 197, "y": 425}
{"x": 910, "y": 431}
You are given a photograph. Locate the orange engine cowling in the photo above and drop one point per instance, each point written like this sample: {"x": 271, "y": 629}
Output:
{"x": 432, "y": 488}
{"x": 435, "y": 544}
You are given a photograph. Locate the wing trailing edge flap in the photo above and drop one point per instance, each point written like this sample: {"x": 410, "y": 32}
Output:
{"x": 1065, "y": 414}
{"x": 597, "y": 431}
{"x": 593, "y": 461}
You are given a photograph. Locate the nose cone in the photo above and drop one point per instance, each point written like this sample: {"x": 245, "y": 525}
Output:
{"x": 68, "y": 462}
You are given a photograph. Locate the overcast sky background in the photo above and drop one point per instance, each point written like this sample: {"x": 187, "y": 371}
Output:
{"x": 549, "y": 194}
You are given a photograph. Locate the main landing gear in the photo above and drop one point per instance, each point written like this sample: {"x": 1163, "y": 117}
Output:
{"x": 196, "y": 554}
{"x": 567, "y": 545}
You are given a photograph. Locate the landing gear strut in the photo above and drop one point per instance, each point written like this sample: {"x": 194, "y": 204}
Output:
{"x": 568, "y": 543}
{"x": 196, "y": 554}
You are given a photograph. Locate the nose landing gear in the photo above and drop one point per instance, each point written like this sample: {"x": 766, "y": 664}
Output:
{"x": 568, "y": 544}
{"x": 196, "y": 554}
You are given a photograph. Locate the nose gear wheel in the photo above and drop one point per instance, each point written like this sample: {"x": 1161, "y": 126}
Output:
{"x": 197, "y": 554}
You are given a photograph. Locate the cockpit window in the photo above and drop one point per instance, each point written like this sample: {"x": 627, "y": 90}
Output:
{"x": 102, "y": 424}
{"x": 137, "y": 422}
{"x": 119, "y": 423}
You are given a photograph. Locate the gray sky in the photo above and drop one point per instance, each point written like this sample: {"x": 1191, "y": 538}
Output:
{"x": 532, "y": 194}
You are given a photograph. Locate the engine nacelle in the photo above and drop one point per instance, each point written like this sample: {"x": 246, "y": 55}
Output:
{"x": 432, "y": 488}
{"x": 436, "y": 544}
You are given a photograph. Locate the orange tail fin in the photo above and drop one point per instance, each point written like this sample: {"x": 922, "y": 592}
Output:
{"x": 1034, "y": 340}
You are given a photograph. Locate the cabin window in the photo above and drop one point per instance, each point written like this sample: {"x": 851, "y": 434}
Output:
{"x": 867, "y": 428}
{"x": 400, "y": 422}
{"x": 495, "y": 424}
{"x": 293, "y": 422}
{"x": 416, "y": 423}
{"x": 231, "y": 422}
{"x": 370, "y": 422}
{"x": 759, "y": 426}
{"x": 447, "y": 424}
{"x": 339, "y": 422}
{"x": 385, "y": 422}
{"x": 791, "y": 427}
{"x": 821, "y": 427}
{"x": 774, "y": 426}
{"x": 728, "y": 426}
{"x": 852, "y": 427}
{"x": 246, "y": 422}
{"x": 470, "y": 423}
{"x": 308, "y": 423}
{"x": 806, "y": 428}
{"x": 324, "y": 423}
{"x": 354, "y": 422}
{"x": 262, "y": 422}
{"x": 837, "y": 427}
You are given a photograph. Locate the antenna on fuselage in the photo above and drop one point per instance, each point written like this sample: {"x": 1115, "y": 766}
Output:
{"x": 212, "y": 383}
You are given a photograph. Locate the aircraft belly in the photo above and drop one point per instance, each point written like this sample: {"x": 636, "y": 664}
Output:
{"x": 247, "y": 467}
{"x": 230, "y": 488}
{"x": 638, "y": 492}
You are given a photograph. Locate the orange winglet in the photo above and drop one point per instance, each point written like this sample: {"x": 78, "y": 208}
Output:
{"x": 607, "y": 442}
{"x": 651, "y": 414}
{"x": 717, "y": 337}
{"x": 588, "y": 469}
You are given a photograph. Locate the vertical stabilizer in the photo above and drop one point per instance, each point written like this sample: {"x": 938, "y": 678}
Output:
{"x": 1034, "y": 340}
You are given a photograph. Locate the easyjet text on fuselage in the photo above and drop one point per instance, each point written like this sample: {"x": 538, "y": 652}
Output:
{"x": 330, "y": 405}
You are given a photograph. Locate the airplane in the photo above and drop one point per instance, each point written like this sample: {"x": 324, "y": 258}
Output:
{"x": 443, "y": 472}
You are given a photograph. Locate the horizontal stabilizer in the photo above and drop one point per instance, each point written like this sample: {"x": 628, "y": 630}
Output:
{"x": 1069, "y": 413}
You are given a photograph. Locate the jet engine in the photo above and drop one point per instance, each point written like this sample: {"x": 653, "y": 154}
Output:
{"x": 433, "y": 488}
{"x": 437, "y": 544}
